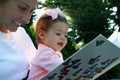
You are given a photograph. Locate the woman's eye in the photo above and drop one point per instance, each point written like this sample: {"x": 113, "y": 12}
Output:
{"x": 23, "y": 8}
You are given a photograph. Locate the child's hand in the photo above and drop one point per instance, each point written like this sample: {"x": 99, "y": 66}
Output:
{"x": 84, "y": 78}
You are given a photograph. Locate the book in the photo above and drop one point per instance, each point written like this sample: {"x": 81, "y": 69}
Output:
{"x": 94, "y": 59}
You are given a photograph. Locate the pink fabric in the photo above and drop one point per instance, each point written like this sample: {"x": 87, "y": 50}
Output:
{"x": 45, "y": 61}
{"x": 53, "y": 13}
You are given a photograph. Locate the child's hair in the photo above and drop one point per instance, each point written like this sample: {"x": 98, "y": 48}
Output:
{"x": 44, "y": 23}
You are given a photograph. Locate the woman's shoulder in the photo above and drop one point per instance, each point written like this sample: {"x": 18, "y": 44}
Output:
{"x": 21, "y": 30}
{"x": 22, "y": 34}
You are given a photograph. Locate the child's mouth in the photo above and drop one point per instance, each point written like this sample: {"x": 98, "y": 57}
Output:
{"x": 60, "y": 44}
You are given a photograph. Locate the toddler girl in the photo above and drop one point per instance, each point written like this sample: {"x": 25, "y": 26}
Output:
{"x": 51, "y": 37}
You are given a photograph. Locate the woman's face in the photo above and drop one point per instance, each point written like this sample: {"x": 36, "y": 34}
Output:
{"x": 15, "y": 13}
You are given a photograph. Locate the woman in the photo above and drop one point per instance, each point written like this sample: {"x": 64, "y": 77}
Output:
{"x": 16, "y": 47}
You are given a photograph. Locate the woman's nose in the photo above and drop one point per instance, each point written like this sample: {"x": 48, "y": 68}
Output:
{"x": 26, "y": 18}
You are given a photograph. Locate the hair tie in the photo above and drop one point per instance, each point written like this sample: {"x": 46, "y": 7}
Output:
{"x": 53, "y": 13}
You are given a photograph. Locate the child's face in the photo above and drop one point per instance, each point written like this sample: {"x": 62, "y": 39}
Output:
{"x": 56, "y": 37}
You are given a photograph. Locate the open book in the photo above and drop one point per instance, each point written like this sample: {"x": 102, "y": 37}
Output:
{"x": 96, "y": 58}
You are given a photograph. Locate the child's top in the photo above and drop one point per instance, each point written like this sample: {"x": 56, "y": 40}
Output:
{"x": 45, "y": 61}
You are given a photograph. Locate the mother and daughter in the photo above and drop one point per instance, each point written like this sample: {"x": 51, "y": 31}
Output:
{"x": 17, "y": 51}
{"x": 16, "y": 47}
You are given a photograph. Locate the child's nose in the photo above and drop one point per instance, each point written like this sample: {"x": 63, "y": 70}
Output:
{"x": 63, "y": 37}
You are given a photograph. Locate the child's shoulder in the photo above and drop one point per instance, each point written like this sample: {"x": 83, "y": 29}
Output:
{"x": 43, "y": 49}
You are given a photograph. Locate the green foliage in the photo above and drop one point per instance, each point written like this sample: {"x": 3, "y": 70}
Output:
{"x": 89, "y": 17}
{"x": 111, "y": 74}
{"x": 116, "y": 17}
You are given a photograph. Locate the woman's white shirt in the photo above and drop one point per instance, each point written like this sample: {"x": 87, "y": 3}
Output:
{"x": 16, "y": 52}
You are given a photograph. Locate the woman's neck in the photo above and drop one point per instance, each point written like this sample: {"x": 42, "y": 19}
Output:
{"x": 3, "y": 30}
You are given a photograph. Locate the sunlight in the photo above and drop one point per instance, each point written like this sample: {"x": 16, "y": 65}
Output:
{"x": 42, "y": 1}
{"x": 38, "y": 13}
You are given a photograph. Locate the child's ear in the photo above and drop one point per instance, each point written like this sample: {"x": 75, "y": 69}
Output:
{"x": 42, "y": 35}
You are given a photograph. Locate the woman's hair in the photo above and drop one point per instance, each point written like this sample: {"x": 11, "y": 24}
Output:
{"x": 44, "y": 23}
{"x": 3, "y": 1}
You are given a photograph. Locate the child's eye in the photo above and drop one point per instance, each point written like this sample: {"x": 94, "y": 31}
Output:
{"x": 66, "y": 36}
{"x": 58, "y": 34}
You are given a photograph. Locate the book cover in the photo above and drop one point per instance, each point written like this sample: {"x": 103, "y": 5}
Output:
{"x": 93, "y": 60}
